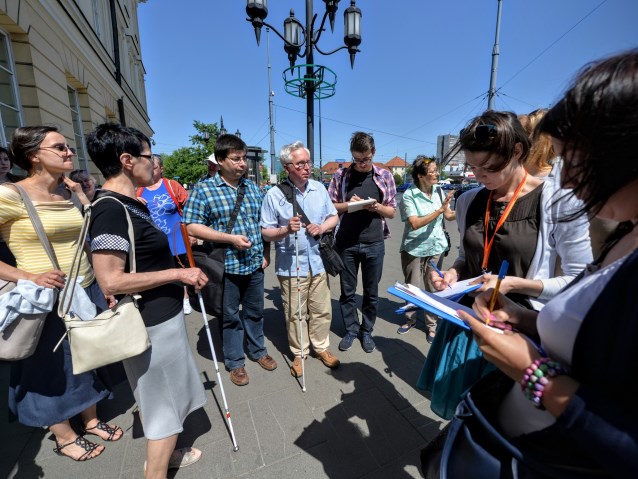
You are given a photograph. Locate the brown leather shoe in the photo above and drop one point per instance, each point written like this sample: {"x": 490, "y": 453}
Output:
{"x": 295, "y": 367}
{"x": 328, "y": 359}
{"x": 267, "y": 363}
{"x": 239, "y": 376}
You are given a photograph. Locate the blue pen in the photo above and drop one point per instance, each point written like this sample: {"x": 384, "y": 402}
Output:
{"x": 438, "y": 271}
{"x": 501, "y": 275}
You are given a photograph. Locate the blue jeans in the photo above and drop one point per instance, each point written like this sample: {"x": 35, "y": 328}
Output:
{"x": 247, "y": 291}
{"x": 370, "y": 258}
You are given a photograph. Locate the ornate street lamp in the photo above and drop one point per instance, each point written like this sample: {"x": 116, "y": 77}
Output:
{"x": 296, "y": 36}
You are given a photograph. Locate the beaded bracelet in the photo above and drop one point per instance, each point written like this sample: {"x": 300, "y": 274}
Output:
{"x": 537, "y": 377}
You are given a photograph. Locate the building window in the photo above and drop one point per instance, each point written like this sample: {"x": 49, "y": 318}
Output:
{"x": 78, "y": 132}
{"x": 10, "y": 117}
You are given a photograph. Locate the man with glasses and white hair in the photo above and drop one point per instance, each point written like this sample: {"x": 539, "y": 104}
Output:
{"x": 361, "y": 235}
{"x": 279, "y": 225}
{"x": 207, "y": 214}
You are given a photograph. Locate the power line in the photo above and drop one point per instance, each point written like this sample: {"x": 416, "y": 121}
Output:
{"x": 553, "y": 43}
{"x": 360, "y": 127}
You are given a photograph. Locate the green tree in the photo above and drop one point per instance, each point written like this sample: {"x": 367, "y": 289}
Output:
{"x": 282, "y": 176}
{"x": 189, "y": 162}
{"x": 398, "y": 179}
{"x": 265, "y": 175}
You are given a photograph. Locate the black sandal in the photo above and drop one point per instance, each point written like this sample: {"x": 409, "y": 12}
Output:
{"x": 88, "y": 446}
{"x": 111, "y": 431}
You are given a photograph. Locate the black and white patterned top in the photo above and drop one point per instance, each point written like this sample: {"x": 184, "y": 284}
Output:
{"x": 109, "y": 232}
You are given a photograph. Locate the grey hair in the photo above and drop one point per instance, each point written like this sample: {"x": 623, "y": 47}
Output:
{"x": 158, "y": 158}
{"x": 286, "y": 150}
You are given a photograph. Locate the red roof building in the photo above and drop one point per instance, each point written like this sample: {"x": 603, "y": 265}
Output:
{"x": 331, "y": 167}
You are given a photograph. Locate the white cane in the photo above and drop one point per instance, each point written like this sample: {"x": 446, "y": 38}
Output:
{"x": 303, "y": 371}
{"x": 191, "y": 261}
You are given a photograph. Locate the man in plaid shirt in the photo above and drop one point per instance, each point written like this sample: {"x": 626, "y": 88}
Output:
{"x": 361, "y": 235}
{"x": 207, "y": 214}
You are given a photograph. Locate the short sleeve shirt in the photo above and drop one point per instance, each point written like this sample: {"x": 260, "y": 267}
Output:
{"x": 108, "y": 230}
{"x": 166, "y": 216}
{"x": 211, "y": 204}
{"x": 428, "y": 240}
{"x": 277, "y": 211}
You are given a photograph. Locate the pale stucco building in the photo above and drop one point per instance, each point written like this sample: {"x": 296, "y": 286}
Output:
{"x": 72, "y": 64}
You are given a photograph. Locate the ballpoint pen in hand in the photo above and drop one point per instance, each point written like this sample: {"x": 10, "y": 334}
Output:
{"x": 501, "y": 274}
{"x": 438, "y": 271}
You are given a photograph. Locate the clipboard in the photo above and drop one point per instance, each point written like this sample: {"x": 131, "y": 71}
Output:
{"x": 434, "y": 305}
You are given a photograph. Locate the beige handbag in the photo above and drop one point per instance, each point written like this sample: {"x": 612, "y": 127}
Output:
{"x": 113, "y": 335}
{"x": 20, "y": 339}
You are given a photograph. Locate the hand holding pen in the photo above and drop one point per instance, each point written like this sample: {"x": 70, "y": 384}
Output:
{"x": 501, "y": 274}
{"x": 439, "y": 272}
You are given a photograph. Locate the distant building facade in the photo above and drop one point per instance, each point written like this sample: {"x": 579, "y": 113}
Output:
{"x": 398, "y": 166}
{"x": 73, "y": 64}
{"x": 454, "y": 165}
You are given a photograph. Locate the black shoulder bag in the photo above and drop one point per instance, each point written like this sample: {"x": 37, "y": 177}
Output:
{"x": 330, "y": 258}
{"x": 447, "y": 236}
{"x": 210, "y": 259}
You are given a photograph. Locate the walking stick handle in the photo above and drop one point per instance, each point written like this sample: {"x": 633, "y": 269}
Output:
{"x": 187, "y": 243}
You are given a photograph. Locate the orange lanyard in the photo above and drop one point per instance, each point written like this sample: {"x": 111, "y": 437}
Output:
{"x": 489, "y": 242}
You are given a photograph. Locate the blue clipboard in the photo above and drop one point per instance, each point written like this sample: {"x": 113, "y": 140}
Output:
{"x": 431, "y": 309}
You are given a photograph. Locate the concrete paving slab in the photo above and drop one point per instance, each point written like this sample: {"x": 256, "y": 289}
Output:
{"x": 364, "y": 419}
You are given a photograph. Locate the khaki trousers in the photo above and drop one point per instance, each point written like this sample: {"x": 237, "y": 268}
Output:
{"x": 416, "y": 271}
{"x": 316, "y": 311}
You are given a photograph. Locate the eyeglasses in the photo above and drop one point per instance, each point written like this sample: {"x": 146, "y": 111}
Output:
{"x": 301, "y": 165}
{"x": 61, "y": 147}
{"x": 148, "y": 157}
{"x": 365, "y": 160}
{"x": 482, "y": 132}
{"x": 237, "y": 160}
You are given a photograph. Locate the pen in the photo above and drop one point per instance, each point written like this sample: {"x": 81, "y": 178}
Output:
{"x": 501, "y": 274}
{"x": 438, "y": 271}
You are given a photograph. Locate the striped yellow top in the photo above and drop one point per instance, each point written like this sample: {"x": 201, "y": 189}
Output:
{"x": 62, "y": 222}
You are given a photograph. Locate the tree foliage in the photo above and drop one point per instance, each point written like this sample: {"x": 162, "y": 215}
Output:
{"x": 189, "y": 162}
{"x": 398, "y": 179}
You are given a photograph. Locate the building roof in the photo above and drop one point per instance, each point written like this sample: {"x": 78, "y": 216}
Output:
{"x": 397, "y": 161}
{"x": 330, "y": 167}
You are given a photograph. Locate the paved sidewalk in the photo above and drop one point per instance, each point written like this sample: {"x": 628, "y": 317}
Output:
{"x": 362, "y": 420}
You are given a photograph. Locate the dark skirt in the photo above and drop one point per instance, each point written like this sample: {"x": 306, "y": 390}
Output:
{"x": 43, "y": 389}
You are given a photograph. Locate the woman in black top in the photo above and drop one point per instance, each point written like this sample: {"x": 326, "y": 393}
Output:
{"x": 164, "y": 379}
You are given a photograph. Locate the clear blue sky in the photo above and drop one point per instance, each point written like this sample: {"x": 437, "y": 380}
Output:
{"x": 423, "y": 69}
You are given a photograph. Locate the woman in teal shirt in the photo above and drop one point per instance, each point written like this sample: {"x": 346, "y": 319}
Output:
{"x": 423, "y": 207}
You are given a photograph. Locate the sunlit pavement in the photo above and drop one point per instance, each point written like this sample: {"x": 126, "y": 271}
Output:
{"x": 364, "y": 419}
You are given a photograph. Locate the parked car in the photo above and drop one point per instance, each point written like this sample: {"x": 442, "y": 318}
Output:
{"x": 403, "y": 187}
{"x": 463, "y": 188}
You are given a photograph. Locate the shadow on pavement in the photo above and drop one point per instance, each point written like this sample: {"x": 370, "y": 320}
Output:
{"x": 360, "y": 434}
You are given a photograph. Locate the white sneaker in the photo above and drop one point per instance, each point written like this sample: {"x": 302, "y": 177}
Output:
{"x": 187, "y": 307}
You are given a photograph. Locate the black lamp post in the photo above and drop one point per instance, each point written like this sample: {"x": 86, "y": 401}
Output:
{"x": 296, "y": 36}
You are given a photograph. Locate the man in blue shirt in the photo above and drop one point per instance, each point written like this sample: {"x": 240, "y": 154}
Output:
{"x": 207, "y": 213}
{"x": 278, "y": 224}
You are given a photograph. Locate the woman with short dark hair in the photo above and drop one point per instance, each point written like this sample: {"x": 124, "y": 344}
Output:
{"x": 423, "y": 207}
{"x": 164, "y": 379}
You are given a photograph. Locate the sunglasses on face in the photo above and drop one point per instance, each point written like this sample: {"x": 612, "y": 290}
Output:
{"x": 61, "y": 147}
{"x": 481, "y": 132}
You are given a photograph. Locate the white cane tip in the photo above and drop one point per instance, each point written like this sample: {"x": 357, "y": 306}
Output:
{"x": 236, "y": 448}
{"x": 303, "y": 390}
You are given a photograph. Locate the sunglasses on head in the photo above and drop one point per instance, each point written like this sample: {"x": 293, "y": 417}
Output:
{"x": 482, "y": 132}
